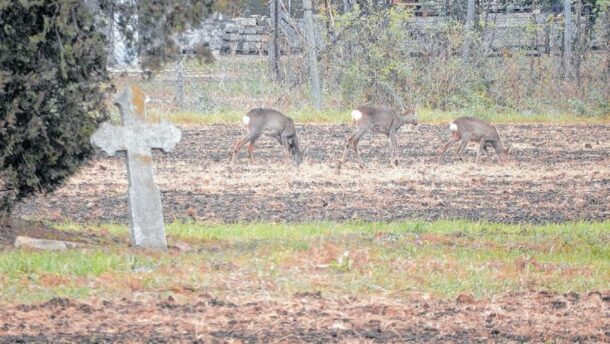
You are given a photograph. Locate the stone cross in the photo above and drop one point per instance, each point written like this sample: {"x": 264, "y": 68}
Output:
{"x": 137, "y": 138}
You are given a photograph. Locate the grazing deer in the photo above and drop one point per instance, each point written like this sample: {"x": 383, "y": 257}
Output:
{"x": 465, "y": 129}
{"x": 379, "y": 120}
{"x": 271, "y": 123}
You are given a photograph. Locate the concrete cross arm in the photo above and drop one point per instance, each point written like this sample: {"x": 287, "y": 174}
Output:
{"x": 109, "y": 138}
{"x": 139, "y": 138}
{"x": 163, "y": 136}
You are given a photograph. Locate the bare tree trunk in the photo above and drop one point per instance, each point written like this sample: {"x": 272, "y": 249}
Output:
{"x": 580, "y": 44}
{"x": 180, "y": 83}
{"x": 568, "y": 38}
{"x": 535, "y": 49}
{"x": 110, "y": 37}
{"x": 314, "y": 74}
{"x": 547, "y": 37}
{"x": 606, "y": 47}
{"x": 469, "y": 26}
{"x": 347, "y": 5}
{"x": 492, "y": 36}
{"x": 274, "y": 49}
{"x": 330, "y": 22}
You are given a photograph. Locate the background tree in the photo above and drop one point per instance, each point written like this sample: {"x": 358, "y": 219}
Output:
{"x": 469, "y": 27}
{"x": 314, "y": 74}
{"x": 274, "y": 47}
{"x": 568, "y": 38}
{"x": 149, "y": 27}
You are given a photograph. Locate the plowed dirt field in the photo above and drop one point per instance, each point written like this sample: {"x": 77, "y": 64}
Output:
{"x": 557, "y": 173}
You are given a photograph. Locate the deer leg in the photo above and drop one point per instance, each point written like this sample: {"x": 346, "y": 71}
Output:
{"x": 355, "y": 141}
{"x": 350, "y": 142}
{"x": 250, "y": 149}
{"x": 238, "y": 146}
{"x": 482, "y": 144}
{"x": 251, "y": 137}
{"x": 445, "y": 147}
{"x": 358, "y": 156}
{"x": 461, "y": 148}
{"x": 284, "y": 140}
{"x": 394, "y": 149}
{"x": 484, "y": 148}
{"x": 487, "y": 154}
{"x": 293, "y": 149}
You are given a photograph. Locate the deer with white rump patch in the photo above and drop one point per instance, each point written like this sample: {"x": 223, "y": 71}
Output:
{"x": 466, "y": 129}
{"x": 274, "y": 124}
{"x": 379, "y": 120}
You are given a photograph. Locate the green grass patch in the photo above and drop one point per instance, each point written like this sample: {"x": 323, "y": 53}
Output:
{"x": 305, "y": 115}
{"x": 339, "y": 116}
{"x": 444, "y": 258}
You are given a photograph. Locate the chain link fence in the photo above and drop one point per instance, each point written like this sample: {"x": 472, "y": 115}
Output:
{"x": 411, "y": 57}
{"x": 233, "y": 83}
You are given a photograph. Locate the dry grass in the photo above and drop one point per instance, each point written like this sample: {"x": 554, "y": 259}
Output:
{"x": 426, "y": 116}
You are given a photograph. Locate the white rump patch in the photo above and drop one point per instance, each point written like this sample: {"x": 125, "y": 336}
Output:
{"x": 453, "y": 126}
{"x": 356, "y": 115}
{"x": 246, "y": 120}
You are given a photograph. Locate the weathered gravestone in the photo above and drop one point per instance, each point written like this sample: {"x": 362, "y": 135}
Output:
{"x": 137, "y": 138}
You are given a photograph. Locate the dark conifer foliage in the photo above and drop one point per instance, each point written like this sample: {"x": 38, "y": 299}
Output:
{"x": 52, "y": 86}
{"x": 53, "y": 79}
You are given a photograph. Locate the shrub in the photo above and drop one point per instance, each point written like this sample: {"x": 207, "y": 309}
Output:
{"x": 52, "y": 84}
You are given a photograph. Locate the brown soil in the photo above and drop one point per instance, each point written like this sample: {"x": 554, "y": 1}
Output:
{"x": 557, "y": 173}
{"x": 312, "y": 318}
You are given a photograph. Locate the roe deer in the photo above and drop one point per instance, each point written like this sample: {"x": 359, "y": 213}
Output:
{"x": 465, "y": 129}
{"x": 271, "y": 123}
{"x": 379, "y": 120}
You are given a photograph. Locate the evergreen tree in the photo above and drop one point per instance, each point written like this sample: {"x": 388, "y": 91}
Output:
{"x": 53, "y": 80}
{"x": 52, "y": 83}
